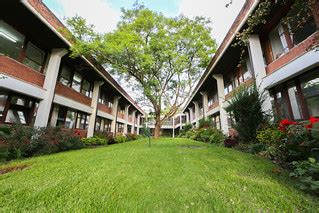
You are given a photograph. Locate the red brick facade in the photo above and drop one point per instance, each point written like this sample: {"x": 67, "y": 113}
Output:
{"x": 20, "y": 71}
{"x": 293, "y": 53}
{"x": 104, "y": 108}
{"x": 72, "y": 94}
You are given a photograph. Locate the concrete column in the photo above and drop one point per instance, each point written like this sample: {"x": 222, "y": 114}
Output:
{"x": 133, "y": 127}
{"x": 221, "y": 100}
{"x": 173, "y": 127}
{"x": 205, "y": 103}
{"x": 126, "y": 117}
{"x": 51, "y": 76}
{"x": 114, "y": 113}
{"x": 138, "y": 124}
{"x": 191, "y": 116}
{"x": 187, "y": 117}
{"x": 258, "y": 67}
{"x": 196, "y": 112}
{"x": 94, "y": 102}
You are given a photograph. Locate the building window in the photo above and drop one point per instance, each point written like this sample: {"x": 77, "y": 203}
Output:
{"x": 120, "y": 127}
{"x": 11, "y": 41}
{"x": 82, "y": 121}
{"x": 34, "y": 57}
{"x": 104, "y": 99}
{"x": 300, "y": 33}
{"x": 76, "y": 83}
{"x": 310, "y": 90}
{"x": 70, "y": 119}
{"x": 17, "y": 109}
{"x": 86, "y": 88}
{"x": 277, "y": 41}
{"x": 66, "y": 76}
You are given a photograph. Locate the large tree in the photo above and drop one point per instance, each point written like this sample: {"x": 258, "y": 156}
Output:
{"x": 163, "y": 56}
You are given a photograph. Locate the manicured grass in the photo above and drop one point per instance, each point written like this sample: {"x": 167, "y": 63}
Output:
{"x": 132, "y": 177}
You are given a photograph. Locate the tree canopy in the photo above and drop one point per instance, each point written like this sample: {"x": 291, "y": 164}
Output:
{"x": 165, "y": 56}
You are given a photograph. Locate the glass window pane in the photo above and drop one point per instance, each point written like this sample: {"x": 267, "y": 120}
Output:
{"x": 65, "y": 77}
{"x": 284, "y": 113}
{"x": 310, "y": 84}
{"x": 11, "y": 41}
{"x": 3, "y": 101}
{"x": 34, "y": 57}
{"x": 276, "y": 44}
{"x": 86, "y": 87}
{"x": 299, "y": 34}
{"x": 76, "y": 84}
{"x": 16, "y": 116}
{"x": 70, "y": 119}
{"x": 295, "y": 102}
{"x": 18, "y": 101}
{"x": 313, "y": 106}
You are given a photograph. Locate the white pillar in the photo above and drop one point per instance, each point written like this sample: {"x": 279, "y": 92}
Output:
{"x": 133, "y": 127}
{"x": 126, "y": 117}
{"x": 205, "y": 103}
{"x": 196, "y": 112}
{"x": 173, "y": 127}
{"x": 138, "y": 124}
{"x": 51, "y": 76}
{"x": 187, "y": 117}
{"x": 94, "y": 102}
{"x": 191, "y": 116}
{"x": 114, "y": 113}
{"x": 258, "y": 67}
{"x": 221, "y": 100}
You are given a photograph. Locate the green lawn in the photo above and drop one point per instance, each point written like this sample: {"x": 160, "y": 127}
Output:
{"x": 132, "y": 177}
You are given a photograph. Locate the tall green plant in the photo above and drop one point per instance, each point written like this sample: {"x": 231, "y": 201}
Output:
{"x": 246, "y": 108}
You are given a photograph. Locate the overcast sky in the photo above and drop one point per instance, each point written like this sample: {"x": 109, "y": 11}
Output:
{"x": 105, "y": 14}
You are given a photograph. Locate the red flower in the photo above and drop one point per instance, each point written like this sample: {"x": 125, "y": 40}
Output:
{"x": 313, "y": 120}
{"x": 309, "y": 126}
{"x": 285, "y": 122}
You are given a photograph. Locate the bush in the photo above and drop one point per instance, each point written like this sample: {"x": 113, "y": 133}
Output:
{"x": 209, "y": 135}
{"x": 229, "y": 143}
{"x": 307, "y": 174}
{"x": 108, "y": 136}
{"x": 131, "y": 137}
{"x": 185, "y": 129}
{"x": 24, "y": 141}
{"x": 94, "y": 141}
{"x": 257, "y": 148}
{"x": 120, "y": 139}
{"x": 246, "y": 108}
{"x": 204, "y": 123}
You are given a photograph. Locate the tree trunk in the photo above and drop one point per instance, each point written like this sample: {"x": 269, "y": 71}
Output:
{"x": 158, "y": 125}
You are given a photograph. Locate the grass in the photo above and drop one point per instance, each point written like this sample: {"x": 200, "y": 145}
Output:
{"x": 132, "y": 177}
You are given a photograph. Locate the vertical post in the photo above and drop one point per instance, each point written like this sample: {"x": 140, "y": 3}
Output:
{"x": 114, "y": 113}
{"x": 94, "y": 103}
{"x": 221, "y": 99}
{"x": 126, "y": 117}
{"x": 205, "y": 103}
{"x": 259, "y": 71}
{"x": 51, "y": 76}
{"x": 196, "y": 112}
{"x": 133, "y": 127}
{"x": 191, "y": 116}
{"x": 173, "y": 127}
{"x": 138, "y": 124}
{"x": 187, "y": 117}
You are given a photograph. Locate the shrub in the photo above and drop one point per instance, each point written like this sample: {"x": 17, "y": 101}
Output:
{"x": 209, "y": 135}
{"x": 108, "y": 136}
{"x": 131, "y": 137}
{"x": 229, "y": 143}
{"x": 307, "y": 174}
{"x": 204, "y": 123}
{"x": 24, "y": 141}
{"x": 257, "y": 148}
{"x": 94, "y": 141}
{"x": 246, "y": 108}
{"x": 185, "y": 129}
{"x": 120, "y": 139}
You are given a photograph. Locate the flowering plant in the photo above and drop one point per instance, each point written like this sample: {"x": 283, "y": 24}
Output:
{"x": 300, "y": 138}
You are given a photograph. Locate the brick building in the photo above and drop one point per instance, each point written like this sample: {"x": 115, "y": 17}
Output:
{"x": 40, "y": 85}
{"x": 283, "y": 64}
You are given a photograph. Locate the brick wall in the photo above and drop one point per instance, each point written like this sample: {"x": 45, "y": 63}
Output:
{"x": 72, "y": 94}
{"x": 20, "y": 71}
{"x": 104, "y": 108}
{"x": 294, "y": 53}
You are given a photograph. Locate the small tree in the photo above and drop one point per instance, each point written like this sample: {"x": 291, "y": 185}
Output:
{"x": 165, "y": 56}
{"x": 246, "y": 108}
